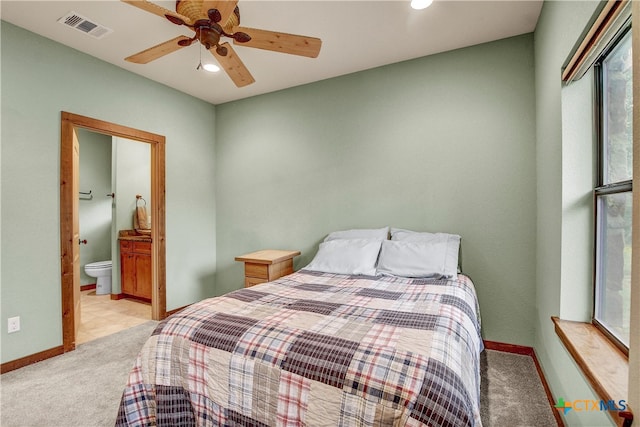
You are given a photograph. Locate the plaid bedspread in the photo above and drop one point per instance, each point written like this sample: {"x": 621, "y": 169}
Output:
{"x": 314, "y": 349}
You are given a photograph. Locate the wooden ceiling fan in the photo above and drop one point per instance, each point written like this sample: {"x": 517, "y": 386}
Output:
{"x": 211, "y": 20}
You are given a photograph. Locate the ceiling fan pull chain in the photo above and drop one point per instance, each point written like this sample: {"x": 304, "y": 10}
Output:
{"x": 199, "y": 67}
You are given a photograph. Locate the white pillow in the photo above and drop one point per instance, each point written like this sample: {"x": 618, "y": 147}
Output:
{"x": 360, "y": 233}
{"x": 420, "y": 258}
{"x": 347, "y": 256}
{"x": 415, "y": 236}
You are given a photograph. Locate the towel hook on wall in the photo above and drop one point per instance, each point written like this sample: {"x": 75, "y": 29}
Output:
{"x": 138, "y": 198}
{"x": 86, "y": 196}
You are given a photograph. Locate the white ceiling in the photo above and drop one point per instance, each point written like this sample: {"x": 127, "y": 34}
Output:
{"x": 356, "y": 35}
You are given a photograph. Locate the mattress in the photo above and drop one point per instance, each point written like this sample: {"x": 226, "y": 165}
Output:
{"x": 315, "y": 349}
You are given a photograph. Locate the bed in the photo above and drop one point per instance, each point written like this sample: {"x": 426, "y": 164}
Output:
{"x": 315, "y": 349}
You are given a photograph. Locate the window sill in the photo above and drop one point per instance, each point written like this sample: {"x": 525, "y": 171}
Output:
{"x": 604, "y": 365}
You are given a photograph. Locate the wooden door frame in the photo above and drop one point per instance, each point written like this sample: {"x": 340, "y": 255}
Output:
{"x": 69, "y": 122}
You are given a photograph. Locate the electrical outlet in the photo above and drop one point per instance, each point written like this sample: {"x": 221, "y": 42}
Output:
{"x": 13, "y": 324}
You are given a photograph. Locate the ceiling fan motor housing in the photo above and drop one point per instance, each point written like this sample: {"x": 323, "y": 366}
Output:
{"x": 206, "y": 24}
{"x": 207, "y": 34}
{"x": 193, "y": 10}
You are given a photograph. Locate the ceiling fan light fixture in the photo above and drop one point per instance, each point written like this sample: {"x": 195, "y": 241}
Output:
{"x": 421, "y": 4}
{"x": 212, "y": 68}
{"x": 207, "y": 66}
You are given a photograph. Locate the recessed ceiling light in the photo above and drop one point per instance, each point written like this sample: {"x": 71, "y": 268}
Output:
{"x": 421, "y": 4}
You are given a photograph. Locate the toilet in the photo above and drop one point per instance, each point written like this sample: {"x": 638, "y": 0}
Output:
{"x": 101, "y": 270}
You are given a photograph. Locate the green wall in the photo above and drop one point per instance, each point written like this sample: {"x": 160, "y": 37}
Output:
{"x": 32, "y": 98}
{"x": 441, "y": 143}
{"x": 95, "y": 213}
{"x": 560, "y": 26}
{"x": 132, "y": 176}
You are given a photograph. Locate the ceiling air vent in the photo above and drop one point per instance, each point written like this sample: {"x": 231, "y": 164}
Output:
{"x": 85, "y": 25}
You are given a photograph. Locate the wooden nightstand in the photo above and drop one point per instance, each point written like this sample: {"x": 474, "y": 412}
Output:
{"x": 267, "y": 265}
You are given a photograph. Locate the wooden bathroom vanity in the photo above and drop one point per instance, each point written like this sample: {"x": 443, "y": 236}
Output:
{"x": 135, "y": 265}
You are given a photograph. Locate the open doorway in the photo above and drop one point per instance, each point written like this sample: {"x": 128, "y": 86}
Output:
{"x": 115, "y": 186}
{"x": 69, "y": 217}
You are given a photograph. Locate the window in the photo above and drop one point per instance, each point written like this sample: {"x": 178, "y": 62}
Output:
{"x": 613, "y": 196}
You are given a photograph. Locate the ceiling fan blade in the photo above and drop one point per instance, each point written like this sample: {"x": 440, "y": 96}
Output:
{"x": 233, "y": 66}
{"x": 157, "y": 51}
{"x": 225, "y": 7}
{"x": 157, "y": 10}
{"x": 281, "y": 42}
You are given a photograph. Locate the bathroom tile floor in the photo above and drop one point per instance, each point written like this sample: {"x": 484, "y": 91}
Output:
{"x": 101, "y": 316}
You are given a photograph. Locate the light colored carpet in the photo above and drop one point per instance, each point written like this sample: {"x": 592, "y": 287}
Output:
{"x": 83, "y": 388}
{"x": 79, "y": 388}
{"x": 511, "y": 393}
